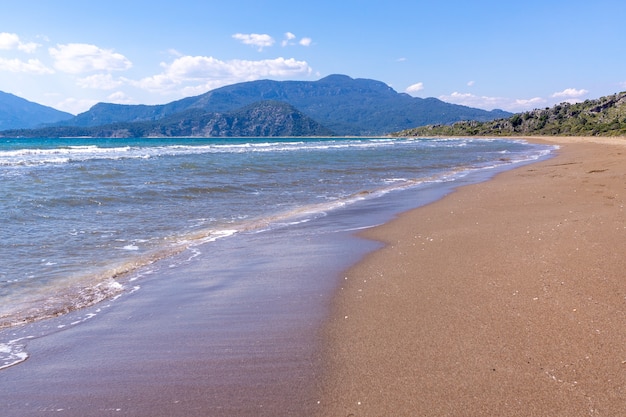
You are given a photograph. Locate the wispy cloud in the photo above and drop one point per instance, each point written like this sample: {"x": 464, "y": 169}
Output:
{"x": 290, "y": 40}
{"x": 289, "y": 37}
{"x": 10, "y": 41}
{"x": 412, "y": 89}
{"x": 75, "y": 105}
{"x": 255, "y": 39}
{"x": 174, "y": 52}
{"x": 570, "y": 93}
{"x": 198, "y": 74}
{"x": 101, "y": 82}
{"x": 32, "y": 66}
{"x": 77, "y": 58}
{"x": 119, "y": 97}
{"x": 490, "y": 103}
{"x": 521, "y": 104}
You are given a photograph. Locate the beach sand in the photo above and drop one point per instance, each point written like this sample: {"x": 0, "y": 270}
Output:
{"x": 505, "y": 298}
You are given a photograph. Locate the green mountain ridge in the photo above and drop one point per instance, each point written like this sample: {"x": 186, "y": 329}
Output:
{"x": 268, "y": 118}
{"x": 605, "y": 116}
{"x": 346, "y": 106}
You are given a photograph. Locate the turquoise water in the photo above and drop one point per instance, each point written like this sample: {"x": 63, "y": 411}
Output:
{"x": 80, "y": 216}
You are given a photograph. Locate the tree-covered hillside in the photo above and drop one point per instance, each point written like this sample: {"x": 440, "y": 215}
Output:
{"x": 605, "y": 116}
{"x": 267, "y": 118}
{"x": 347, "y": 106}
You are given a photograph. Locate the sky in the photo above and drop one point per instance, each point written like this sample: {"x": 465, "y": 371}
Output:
{"x": 488, "y": 54}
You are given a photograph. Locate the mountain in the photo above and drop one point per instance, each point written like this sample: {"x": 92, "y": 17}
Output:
{"x": 267, "y": 118}
{"x": 344, "y": 105}
{"x": 605, "y": 116}
{"x": 18, "y": 113}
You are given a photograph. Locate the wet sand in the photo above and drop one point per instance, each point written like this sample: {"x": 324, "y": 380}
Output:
{"x": 229, "y": 333}
{"x": 505, "y": 298}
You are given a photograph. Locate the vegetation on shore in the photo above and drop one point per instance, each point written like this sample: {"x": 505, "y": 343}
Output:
{"x": 605, "y": 116}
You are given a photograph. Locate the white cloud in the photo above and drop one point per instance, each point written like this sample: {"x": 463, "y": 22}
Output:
{"x": 174, "y": 52}
{"x": 198, "y": 74}
{"x": 160, "y": 83}
{"x": 100, "y": 82}
{"x": 570, "y": 95}
{"x": 76, "y": 58}
{"x": 33, "y": 66}
{"x": 10, "y": 41}
{"x": 119, "y": 97}
{"x": 288, "y": 37}
{"x": 254, "y": 39}
{"x": 471, "y": 83}
{"x": 290, "y": 40}
{"x": 414, "y": 88}
{"x": 490, "y": 103}
{"x": 75, "y": 105}
{"x": 528, "y": 104}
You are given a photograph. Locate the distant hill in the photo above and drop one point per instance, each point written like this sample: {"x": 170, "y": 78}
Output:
{"x": 342, "y": 104}
{"x": 267, "y": 118}
{"x": 18, "y": 113}
{"x": 605, "y": 116}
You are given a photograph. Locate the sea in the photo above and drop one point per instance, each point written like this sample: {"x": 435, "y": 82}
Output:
{"x": 84, "y": 220}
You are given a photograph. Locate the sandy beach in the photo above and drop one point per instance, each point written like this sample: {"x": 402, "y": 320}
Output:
{"x": 506, "y": 298}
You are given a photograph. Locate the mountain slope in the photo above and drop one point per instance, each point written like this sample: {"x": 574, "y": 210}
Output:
{"x": 18, "y": 113}
{"x": 346, "y": 106}
{"x": 268, "y": 118}
{"x": 605, "y": 116}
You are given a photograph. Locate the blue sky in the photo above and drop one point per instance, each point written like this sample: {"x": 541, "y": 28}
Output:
{"x": 488, "y": 54}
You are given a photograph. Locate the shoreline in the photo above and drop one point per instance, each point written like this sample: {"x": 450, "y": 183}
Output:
{"x": 503, "y": 298}
{"x": 202, "y": 346}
